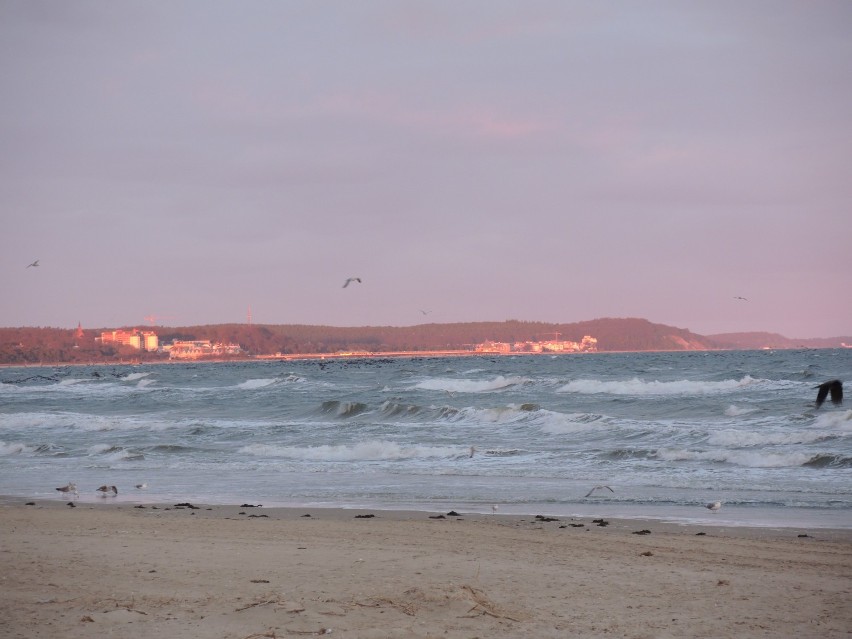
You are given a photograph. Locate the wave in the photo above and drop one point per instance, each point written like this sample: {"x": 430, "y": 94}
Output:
{"x": 628, "y": 454}
{"x": 14, "y": 448}
{"x": 170, "y": 448}
{"x": 377, "y": 450}
{"x": 839, "y": 420}
{"x": 736, "y": 411}
{"x": 560, "y": 423}
{"x": 103, "y": 423}
{"x": 265, "y": 382}
{"x": 470, "y": 385}
{"x": 343, "y": 409}
{"x": 829, "y": 461}
{"x": 114, "y": 453}
{"x": 744, "y": 439}
{"x": 749, "y": 459}
{"x": 395, "y": 409}
{"x": 132, "y": 377}
{"x": 253, "y": 384}
{"x": 638, "y": 386}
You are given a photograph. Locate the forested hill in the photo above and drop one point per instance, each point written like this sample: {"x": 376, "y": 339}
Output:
{"x": 32, "y": 345}
{"x": 757, "y": 340}
{"x": 612, "y": 335}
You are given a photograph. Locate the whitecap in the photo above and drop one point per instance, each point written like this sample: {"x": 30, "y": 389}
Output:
{"x": 839, "y": 420}
{"x": 132, "y": 377}
{"x": 252, "y": 384}
{"x": 15, "y": 448}
{"x": 638, "y": 386}
{"x": 743, "y": 439}
{"x": 470, "y": 385}
{"x": 748, "y": 459}
{"x": 72, "y": 382}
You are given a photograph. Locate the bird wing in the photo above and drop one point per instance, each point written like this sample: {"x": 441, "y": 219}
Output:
{"x": 837, "y": 392}
{"x": 822, "y": 394}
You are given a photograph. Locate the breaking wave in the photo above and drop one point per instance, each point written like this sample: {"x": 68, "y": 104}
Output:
{"x": 638, "y": 386}
{"x": 343, "y": 409}
{"x": 114, "y": 453}
{"x": 750, "y": 459}
{"x": 470, "y": 385}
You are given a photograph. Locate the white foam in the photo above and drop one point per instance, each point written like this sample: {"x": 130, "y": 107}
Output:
{"x": 15, "y": 448}
{"x": 736, "y": 411}
{"x": 839, "y": 420}
{"x": 72, "y": 382}
{"x": 638, "y": 386}
{"x": 749, "y": 459}
{"x": 376, "y": 450}
{"x": 470, "y": 385}
{"x": 741, "y": 439}
{"x": 132, "y": 377}
{"x": 560, "y": 424}
{"x": 256, "y": 383}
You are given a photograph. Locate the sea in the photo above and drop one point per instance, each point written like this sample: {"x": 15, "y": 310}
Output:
{"x": 660, "y": 434}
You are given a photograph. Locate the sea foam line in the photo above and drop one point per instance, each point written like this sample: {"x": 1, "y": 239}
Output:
{"x": 638, "y": 386}
{"x": 377, "y": 450}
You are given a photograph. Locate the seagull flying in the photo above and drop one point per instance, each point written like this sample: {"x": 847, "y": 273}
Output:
{"x": 589, "y": 494}
{"x": 349, "y": 280}
{"x": 713, "y": 507}
{"x": 737, "y": 297}
{"x": 835, "y": 387}
{"x": 33, "y": 264}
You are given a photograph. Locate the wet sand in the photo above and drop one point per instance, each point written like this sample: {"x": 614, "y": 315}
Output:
{"x": 118, "y": 570}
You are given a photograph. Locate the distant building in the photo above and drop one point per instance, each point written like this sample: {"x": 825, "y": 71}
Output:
{"x": 135, "y": 338}
{"x": 196, "y": 349}
{"x": 588, "y": 344}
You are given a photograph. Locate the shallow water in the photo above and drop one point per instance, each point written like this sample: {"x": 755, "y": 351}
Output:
{"x": 667, "y": 431}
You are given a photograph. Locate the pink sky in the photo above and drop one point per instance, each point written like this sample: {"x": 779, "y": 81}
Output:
{"x": 486, "y": 160}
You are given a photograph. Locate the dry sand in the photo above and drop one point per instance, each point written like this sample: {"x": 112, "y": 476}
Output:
{"x": 109, "y": 570}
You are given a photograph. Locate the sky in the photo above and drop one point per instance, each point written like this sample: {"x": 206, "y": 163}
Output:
{"x": 192, "y": 162}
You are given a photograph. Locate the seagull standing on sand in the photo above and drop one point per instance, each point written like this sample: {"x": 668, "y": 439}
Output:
{"x": 104, "y": 490}
{"x": 589, "y": 494}
{"x": 714, "y": 507}
{"x": 71, "y": 487}
{"x": 494, "y": 509}
{"x": 835, "y": 387}
{"x": 33, "y": 264}
{"x": 141, "y": 486}
{"x": 349, "y": 280}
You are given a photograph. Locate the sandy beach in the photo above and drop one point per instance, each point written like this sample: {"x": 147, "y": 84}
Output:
{"x": 238, "y": 572}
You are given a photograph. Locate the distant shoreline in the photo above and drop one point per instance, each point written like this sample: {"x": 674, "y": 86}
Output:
{"x": 284, "y": 357}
